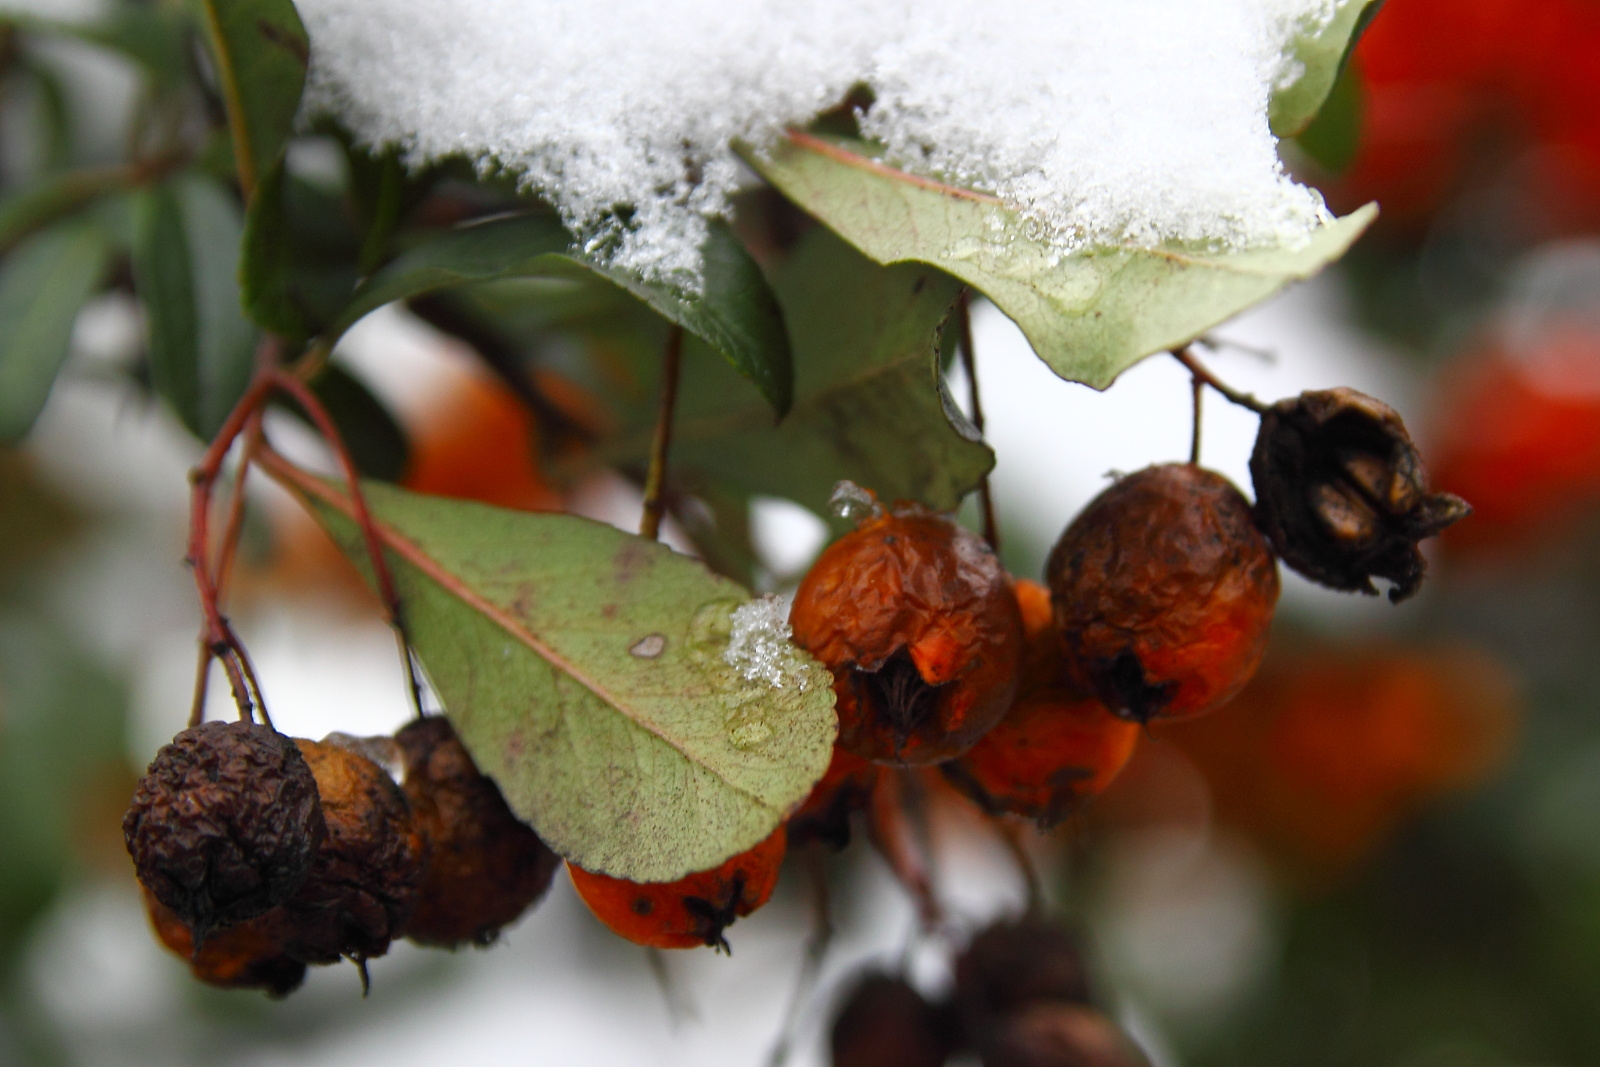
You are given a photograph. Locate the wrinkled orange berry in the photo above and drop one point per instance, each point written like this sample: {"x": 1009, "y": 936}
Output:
{"x": 1163, "y": 591}
{"x": 692, "y": 911}
{"x": 844, "y": 788}
{"x": 915, "y": 617}
{"x": 242, "y": 956}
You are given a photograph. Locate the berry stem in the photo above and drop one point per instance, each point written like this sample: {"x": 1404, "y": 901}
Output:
{"x": 1011, "y": 836}
{"x": 655, "y": 479}
{"x": 890, "y": 830}
{"x": 1198, "y": 369}
{"x": 1199, "y": 389}
{"x": 969, "y": 363}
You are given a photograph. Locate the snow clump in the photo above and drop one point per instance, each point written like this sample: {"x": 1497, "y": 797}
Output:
{"x": 760, "y": 648}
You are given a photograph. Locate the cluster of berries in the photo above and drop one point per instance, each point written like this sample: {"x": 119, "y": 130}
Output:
{"x": 1021, "y": 999}
{"x": 260, "y": 854}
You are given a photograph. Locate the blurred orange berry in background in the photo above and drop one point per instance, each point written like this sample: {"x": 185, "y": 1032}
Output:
{"x": 1449, "y": 85}
{"x": 478, "y": 442}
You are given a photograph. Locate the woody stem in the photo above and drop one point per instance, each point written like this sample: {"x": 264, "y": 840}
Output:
{"x": 1199, "y": 371}
{"x": 656, "y": 477}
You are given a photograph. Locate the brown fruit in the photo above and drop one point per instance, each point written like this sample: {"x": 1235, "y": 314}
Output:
{"x": 1342, "y": 493}
{"x": 915, "y": 617}
{"x": 225, "y": 824}
{"x": 366, "y": 875}
{"x": 886, "y": 1023}
{"x": 242, "y": 956}
{"x": 1059, "y": 1035}
{"x": 1164, "y": 592}
{"x": 844, "y": 789}
{"x": 1013, "y": 964}
{"x": 485, "y": 867}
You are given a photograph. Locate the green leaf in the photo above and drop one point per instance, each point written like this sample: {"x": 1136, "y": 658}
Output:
{"x": 1335, "y": 134}
{"x": 736, "y": 316}
{"x": 1320, "y": 55}
{"x": 152, "y": 36}
{"x": 1089, "y": 315}
{"x": 373, "y": 437}
{"x": 260, "y": 51}
{"x": 52, "y": 197}
{"x": 867, "y": 400}
{"x": 583, "y": 668}
{"x": 43, "y": 283}
{"x": 185, "y": 250}
{"x": 298, "y": 267}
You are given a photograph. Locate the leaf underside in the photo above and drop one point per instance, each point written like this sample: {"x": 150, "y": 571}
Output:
{"x": 641, "y": 767}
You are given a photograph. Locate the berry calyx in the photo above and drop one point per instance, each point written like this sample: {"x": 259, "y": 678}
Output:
{"x": 225, "y": 824}
{"x": 485, "y": 867}
{"x": 1342, "y": 492}
{"x": 1163, "y": 591}
{"x": 694, "y": 910}
{"x": 915, "y": 618}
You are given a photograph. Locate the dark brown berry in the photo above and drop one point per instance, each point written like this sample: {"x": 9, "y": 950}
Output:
{"x": 225, "y": 824}
{"x": 485, "y": 867}
{"x": 364, "y": 881}
{"x": 1163, "y": 591}
{"x": 915, "y": 618}
{"x": 1059, "y": 1035}
{"x": 1014, "y": 964}
{"x": 1342, "y": 492}
{"x": 886, "y": 1023}
{"x": 242, "y": 956}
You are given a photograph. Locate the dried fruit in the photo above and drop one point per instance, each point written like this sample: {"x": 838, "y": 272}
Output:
{"x": 1059, "y": 1035}
{"x": 886, "y": 1023}
{"x": 844, "y": 788}
{"x": 1050, "y": 753}
{"x": 1342, "y": 493}
{"x": 242, "y": 956}
{"x": 366, "y": 875}
{"x": 225, "y": 824}
{"x": 915, "y": 617}
{"x": 485, "y": 867}
{"x": 1163, "y": 591}
{"x": 692, "y": 911}
{"x": 1014, "y": 964}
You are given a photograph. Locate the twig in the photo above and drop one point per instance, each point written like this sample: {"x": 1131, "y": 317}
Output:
{"x": 1199, "y": 388}
{"x": 654, "y": 498}
{"x": 890, "y": 830}
{"x": 969, "y": 363}
{"x": 1196, "y": 368}
{"x": 1011, "y": 835}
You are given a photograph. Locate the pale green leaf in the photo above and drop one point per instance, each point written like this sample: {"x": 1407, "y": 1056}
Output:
{"x": 1089, "y": 315}
{"x": 583, "y": 668}
{"x": 1318, "y": 55}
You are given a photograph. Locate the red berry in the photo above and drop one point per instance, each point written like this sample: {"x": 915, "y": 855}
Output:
{"x": 692, "y": 911}
{"x": 844, "y": 788}
{"x": 1163, "y": 591}
{"x": 915, "y": 617}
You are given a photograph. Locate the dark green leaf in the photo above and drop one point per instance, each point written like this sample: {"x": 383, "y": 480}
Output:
{"x": 1334, "y": 135}
{"x": 43, "y": 283}
{"x": 185, "y": 251}
{"x": 584, "y": 669}
{"x": 52, "y": 197}
{"x": 1089, "y": 315}
{"x": 260, "y": 51}
{"x": 867, "y": 404}
{"x": 736, "y": 316}
{"x": 375, "y": 440}
{"x": 154, "y": 37}
{"x": 1320, "y": 53}
{"x": 299, "y": 261}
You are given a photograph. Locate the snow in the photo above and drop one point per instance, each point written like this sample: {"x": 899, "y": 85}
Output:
{"x": 760, "y": 649}
{"x": 1139, "y": 121}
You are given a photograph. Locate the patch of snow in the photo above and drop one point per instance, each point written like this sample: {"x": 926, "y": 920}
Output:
{"x": 760, "y": 649}
{"x": 1139, "y": 121}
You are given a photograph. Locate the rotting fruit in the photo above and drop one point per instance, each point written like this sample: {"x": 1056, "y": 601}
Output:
{"x": 225, "y": 824}
{"x": 914, "y": 616}
{"x": 485, "y": 867}
{"x": 1163, "y": 591}
{"x": 694, "y": 910}
{"x": 242, "y": 956}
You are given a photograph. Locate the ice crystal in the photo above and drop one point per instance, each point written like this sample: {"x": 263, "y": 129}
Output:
{"x": 760, "y": 649}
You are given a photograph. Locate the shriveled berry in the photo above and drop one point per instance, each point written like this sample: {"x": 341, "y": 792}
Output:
{"x": 225, "y": 824}
{"x": 1163, "y": 591}
{"x": 915, "y": 617}
{"x": 485, "y": 867}
{"x": 1342, "y": 492}
{"x": 692, "y": 911}
{"x": 1051, "y": 752}
{"x": 364, "y": 881}
{"x": 242, "y": 956}
{"x": 1041, "y": 647}
{"x": 886, "y": 1023}
{"x": 844, "y": 788}
{"x": 1016, "y": 963}
{"x": 1059, "y": 1035}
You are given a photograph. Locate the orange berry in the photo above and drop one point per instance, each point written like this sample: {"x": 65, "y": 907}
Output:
{"x": 844, "y": 788}
{"x": 1164, "y": 591}
{"x": 692, "y": 911}
{"x": 915, "y": 617}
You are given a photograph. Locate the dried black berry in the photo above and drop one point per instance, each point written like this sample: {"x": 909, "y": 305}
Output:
{"x": 1342, "y": 493}
{"x": 485, "y": 867}
{"x": 225, "y": 824}
{"x": 886, "y": 1023}
{"x": 1012, "y": 965}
